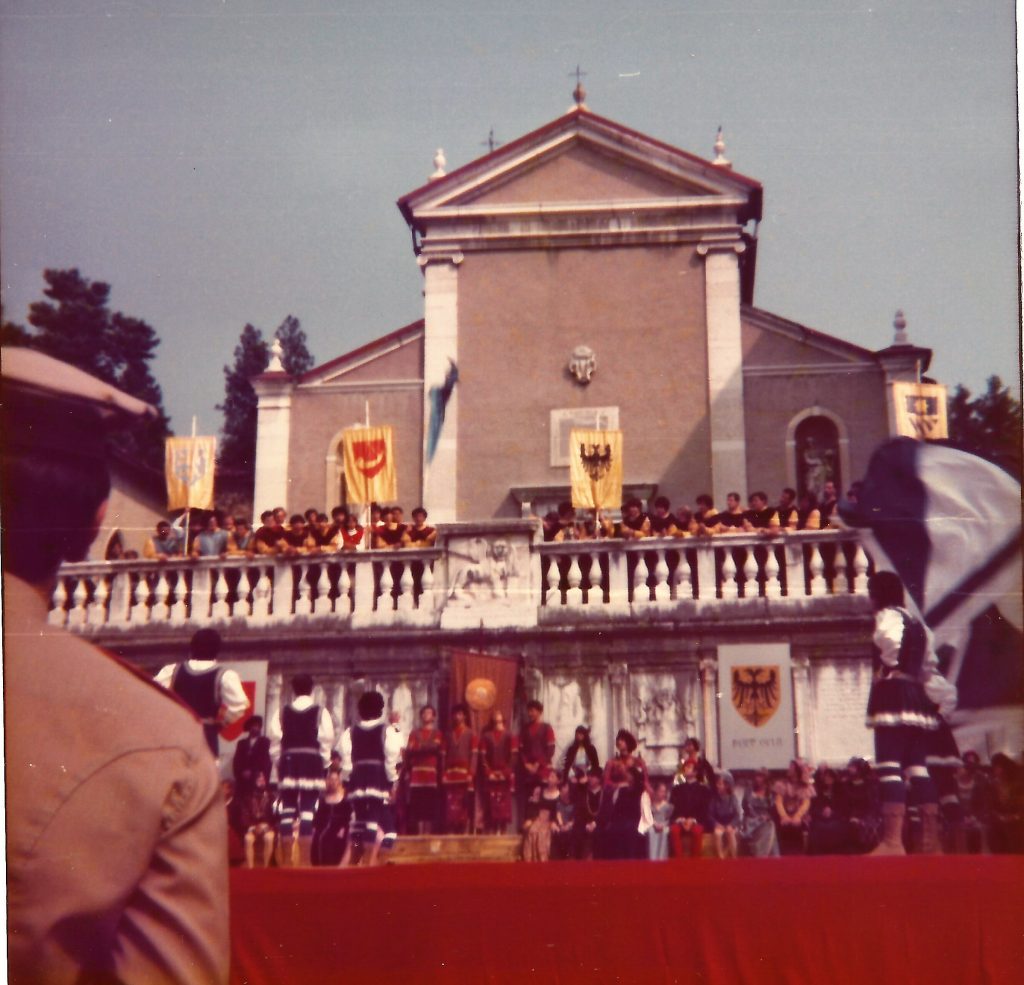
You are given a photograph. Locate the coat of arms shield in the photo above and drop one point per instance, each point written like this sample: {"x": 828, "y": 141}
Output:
{"x": 756, "y": 692}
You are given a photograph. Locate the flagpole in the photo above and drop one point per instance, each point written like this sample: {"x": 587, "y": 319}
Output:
{"x": 368, "y": 541}
{"x": 188, "y": 485}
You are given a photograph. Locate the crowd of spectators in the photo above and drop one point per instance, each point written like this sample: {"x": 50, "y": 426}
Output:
{"x": 216, "y": 533}
{"x": 790, "y": 513}
{"x": 455, "y": 782}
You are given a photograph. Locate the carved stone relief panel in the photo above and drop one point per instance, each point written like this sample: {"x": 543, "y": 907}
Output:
{"x": 664, "y": 708}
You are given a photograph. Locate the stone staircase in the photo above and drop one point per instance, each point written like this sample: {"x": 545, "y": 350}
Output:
{"x": 413, "y": 849}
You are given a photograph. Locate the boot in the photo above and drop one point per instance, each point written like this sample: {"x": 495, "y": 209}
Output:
{"x": 930, "y": 841}
{"x": 892, "y": 830}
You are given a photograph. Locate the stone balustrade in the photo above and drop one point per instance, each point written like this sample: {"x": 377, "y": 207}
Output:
{"x": 490, "y": 574}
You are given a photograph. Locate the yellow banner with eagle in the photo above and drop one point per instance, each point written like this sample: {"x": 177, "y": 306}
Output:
{"x": 370, "y": 475}
{"x": 595, "y": 468}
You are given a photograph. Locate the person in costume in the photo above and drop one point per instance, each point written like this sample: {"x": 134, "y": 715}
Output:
{"x": 536, "y": 747}
{"x": 370, "y": 751}
{"x": 252, "y": 755}
{"x": 902, "y": 715}
{"x": 214, "y": 693}
{"x": 461, "y": 750}
{"x": 498, "y": 751}
{"x": 422, "y": 766}
{"x": 306, "y": 737}
{"x": 116, "y": 824}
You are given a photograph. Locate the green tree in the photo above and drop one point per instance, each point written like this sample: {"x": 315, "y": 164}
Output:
{"x": 76, "y": 326}
{"x": 252, "y": 355}
{"x": 989, "y": 425}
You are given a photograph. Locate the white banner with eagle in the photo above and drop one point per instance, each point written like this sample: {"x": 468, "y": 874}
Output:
{"x": 755, "y": 705}
{"x": 595, "y": 468}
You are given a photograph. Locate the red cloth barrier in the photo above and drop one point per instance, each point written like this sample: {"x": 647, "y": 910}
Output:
{"x": 915, "y": 920}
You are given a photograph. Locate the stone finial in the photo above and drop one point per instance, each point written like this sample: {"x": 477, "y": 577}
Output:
{"x": 276, "y": 352}
{"x": 899, "y": 323}
{"x": 440, "y": 161}
{"x": 720, "y": 159}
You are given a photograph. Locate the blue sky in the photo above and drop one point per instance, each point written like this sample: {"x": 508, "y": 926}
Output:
{"x": 220, "y": 162}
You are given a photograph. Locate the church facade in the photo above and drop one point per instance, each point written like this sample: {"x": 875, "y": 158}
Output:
{"x": 584, "y": 275}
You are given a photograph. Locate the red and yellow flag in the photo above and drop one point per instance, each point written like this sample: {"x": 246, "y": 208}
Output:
{"x": 370, "y": 464}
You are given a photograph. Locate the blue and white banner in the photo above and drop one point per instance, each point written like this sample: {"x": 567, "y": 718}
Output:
{"x": 948, "y": 523}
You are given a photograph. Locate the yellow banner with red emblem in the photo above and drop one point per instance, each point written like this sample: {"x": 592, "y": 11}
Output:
{"x": 370, "y": 475}
{"x": 595, "y": 468}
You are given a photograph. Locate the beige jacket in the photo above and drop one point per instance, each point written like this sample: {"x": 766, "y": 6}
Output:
{"x": 116, "y": 827}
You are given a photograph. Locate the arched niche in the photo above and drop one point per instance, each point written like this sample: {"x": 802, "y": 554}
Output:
{"x": 817, "y": 449}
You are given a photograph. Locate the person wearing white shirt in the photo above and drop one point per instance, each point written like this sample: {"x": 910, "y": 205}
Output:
{"x": 306, "y": 738}
{"x": 214, "y": 693}
{"x": 370, "y": 751}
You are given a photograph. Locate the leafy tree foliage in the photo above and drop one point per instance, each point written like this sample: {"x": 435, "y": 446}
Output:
{"x": 76, "y": 326}
{"x": 990, "y": 425}
{"x": 252, "y": 355}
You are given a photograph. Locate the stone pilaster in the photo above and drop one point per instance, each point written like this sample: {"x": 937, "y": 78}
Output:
{"x": 440, "y": 354}
{"x": 802, "y": 710}
{"x": 725, "y": 367}
{"x": 273, "y": 434}
{"x": 709, "y": 705}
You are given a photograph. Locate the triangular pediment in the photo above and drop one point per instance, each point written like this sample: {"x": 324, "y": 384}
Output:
{"x": 583, "y": 159}
{"x": 396, "y": 356}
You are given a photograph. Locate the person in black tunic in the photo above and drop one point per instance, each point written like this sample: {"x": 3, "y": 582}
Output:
{"x": 901, "y": 713}
{"x": 330, "y": 822}
{"x": 369, "y": 757}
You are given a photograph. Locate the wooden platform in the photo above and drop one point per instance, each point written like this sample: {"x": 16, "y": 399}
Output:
{"x": 413, "y": 849}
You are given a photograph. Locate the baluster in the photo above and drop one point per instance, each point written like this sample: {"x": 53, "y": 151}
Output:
{"x": 427, "y": 586}
{"x": 141, "y": 595}
{"x": 840, "y": 584}
{"x": 179, "y": 593}
{"x": 662, "y": 589}
{"x": 220, "y": 609}
{"x": 750, "y": 586}
{"x": 772, "y": 585}
{"x": 406, "y": 601}
{"x": 860, "y": 571}
{"x": 304, "y": 603}
{"x": 574, "y": 576}
{"x": 817, "y": 566}
{"x": 161, "y": 611}
{"x": 595, "y": 593}
{"x": 387, "y": 583}
{"x": 364, "y": 588}
{"x": 553, "y": 576}
{"x": 706, "y": 571}
{"x": 77, "y": 614}
{"x": 730, "y": 590}
{"x": 98, "y": 606}
{"x": 322, "y": 605}
{"x": 344, "y": 589}
{"x": 683, "y": 588}
{"x": 641, "y": 593}
{"x": 58, "y": 616}
{"x": 201, "y": 591}
{"x": 261, "y": 595}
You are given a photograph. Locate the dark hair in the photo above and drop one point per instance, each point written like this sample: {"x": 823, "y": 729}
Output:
{"x": 735, "y": 495}
{"x": 266, "y": 515}
{"x": 534, "y": 703}
{"x": 584, "y": 730}
{"x": 161, "y": 524}
{"x": 791, "y": 493}
{"x": 370, "y": 705}
{"x": 302, "y": 684}
{"x": 205, "y": 644}
{"x": 885, "y": 589}
{"x": 425, "y": 707}
{"x": 241, "y": 520}
{"x": 633, "y": 502}
{"x": 49, "y": 506}
{"x": 694, "y": 740}
{"x": 460, "y": 707}
{"x": 312, "y": 510}
{"x": 705, "y": 500}
{"x": 253, "y": 720}
{"x": 626, "y": 737}
{"x": 338, "y": 511}
{"x": 759, "y": 495}
{"x": 297, "y": 518}
{"x": 566, "y": 509}
{"x": 420, "y": 511}
{"x": 662, "y": 502}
